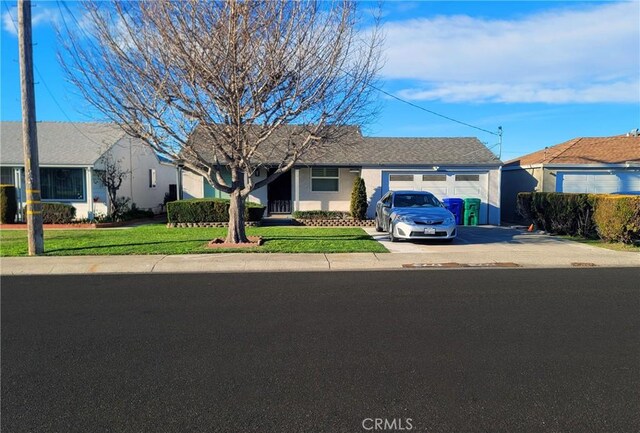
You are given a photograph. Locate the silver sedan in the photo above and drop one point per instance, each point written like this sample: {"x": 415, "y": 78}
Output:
{"x": 414, "y": 215}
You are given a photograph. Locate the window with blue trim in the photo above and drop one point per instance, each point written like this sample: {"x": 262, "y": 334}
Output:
{"x": 62, "y": 184}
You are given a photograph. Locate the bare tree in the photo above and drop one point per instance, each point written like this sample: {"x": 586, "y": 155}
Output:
{"x": 238, "y": 71}
{"x": 111, "y": 175}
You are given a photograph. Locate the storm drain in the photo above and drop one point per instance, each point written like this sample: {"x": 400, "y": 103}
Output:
{"x": 583, "y": 265}
{"x": 462, "y": 265}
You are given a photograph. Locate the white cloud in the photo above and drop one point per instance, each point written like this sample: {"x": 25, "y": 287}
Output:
{"x": 559, "y": 56}
{"x": 8, "y": 24}
{"x": 40, "y": 16}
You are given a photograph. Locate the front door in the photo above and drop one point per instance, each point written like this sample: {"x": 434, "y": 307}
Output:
{"x": 279, "y": 194}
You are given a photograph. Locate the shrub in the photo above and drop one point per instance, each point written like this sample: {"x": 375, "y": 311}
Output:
{"x": 8, "y": 204}
{"x": 120, "y": 208}
{"x": 320, "y": 215}
{"x": 208, "y": 210}
{"x": 359, "y": 199}
{"x": 618, "y": 218}
{"x": 55, "y": 213}
{"x": 561, "y": 213}
{"x": 136, "y": 212}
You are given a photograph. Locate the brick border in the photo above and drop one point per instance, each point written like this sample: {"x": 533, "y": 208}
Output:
{"x": 211, "y": 224}
{"x": 335, "y": 223}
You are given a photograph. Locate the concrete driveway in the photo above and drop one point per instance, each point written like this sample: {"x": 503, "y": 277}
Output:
{"x": 485, "y": 244}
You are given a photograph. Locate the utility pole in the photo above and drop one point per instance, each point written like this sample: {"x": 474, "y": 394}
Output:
{"x": 500, "y": 142}
{"x": 29, "y": 133}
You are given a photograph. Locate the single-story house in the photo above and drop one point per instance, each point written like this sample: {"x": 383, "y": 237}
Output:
{"x": 69, "y": 155}
{"x": 585, "y": 164}
{"x": 323, "y": 180}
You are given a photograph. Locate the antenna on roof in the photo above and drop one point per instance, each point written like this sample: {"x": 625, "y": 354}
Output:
{"x": 500, "y": 142}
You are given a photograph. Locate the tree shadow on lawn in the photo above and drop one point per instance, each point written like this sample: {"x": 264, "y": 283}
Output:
{"x": 319, "y": 238}
{"x": 120, "y": 245}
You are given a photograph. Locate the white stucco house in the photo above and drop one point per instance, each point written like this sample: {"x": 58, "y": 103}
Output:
{"x": 69, "y": 155}
{"x": 460, "y": 167}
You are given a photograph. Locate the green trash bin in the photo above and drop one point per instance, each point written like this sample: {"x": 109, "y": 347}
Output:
{"x": 471, "y": 211}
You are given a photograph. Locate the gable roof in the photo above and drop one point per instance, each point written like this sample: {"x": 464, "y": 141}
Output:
{"x": 351, "y": 148}
{"x": 586, "y": 150}
{"x": 59, "y": 143}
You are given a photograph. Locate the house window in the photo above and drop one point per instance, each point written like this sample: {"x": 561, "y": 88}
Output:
{"x": 467, "y": 177}
{"x": 62, "y": 184}
{"x": 6, "y": 176}
{"x": 434, "y": 177}
{"x": 325, "y": 179}
{"x": 401, "y": 178}
{"x": 152, "y": 178}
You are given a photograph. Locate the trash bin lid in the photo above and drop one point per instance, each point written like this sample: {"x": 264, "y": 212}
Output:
{"x": 453, "y": 200}
{"x": 472, "y": 202}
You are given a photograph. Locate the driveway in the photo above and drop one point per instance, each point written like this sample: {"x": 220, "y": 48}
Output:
{"x": 479, "y": 244}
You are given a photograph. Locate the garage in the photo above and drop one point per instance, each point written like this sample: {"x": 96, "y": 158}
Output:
{"x": 458, "y": 184}
{"x": 615, "y": 182}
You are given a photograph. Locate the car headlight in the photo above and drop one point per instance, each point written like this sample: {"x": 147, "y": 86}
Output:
{"x": 402, "y": 219}
{"x": 449, "y": 221}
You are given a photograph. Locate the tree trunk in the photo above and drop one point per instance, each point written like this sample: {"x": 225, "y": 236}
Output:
{"x": 236, "y": 233}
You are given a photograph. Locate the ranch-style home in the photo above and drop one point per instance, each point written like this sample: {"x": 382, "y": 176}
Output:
{"x": 584, "y": 164}
{"x": 459, "y": 167}
{"x": 70, "y": 154}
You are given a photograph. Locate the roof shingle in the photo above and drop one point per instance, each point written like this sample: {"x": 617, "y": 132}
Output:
{"x": 59, "y": 143}
{"x": 586, "y": 150}
{"x": 351, "y": 148}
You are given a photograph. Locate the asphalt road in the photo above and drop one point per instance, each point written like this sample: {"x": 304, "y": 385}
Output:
{"x": 522, "y": 350}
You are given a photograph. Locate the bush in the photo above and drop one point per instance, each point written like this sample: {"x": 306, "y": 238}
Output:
{"x": 55, "y": 213}
{"x": 136, "y": 213}
{"x": 320, "y": 215}
{"x": 208, "y": 210}
{"x": 560, "y": 213}
{"x": 8, "y": 204}
{"x": 613, "y": 218}
{"x": 359, "y": 199}
{"x": 618, "y": 218}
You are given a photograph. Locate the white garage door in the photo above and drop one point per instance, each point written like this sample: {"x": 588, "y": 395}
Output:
{"x": 460, "y": 185}
{"x": 624, "y": 182}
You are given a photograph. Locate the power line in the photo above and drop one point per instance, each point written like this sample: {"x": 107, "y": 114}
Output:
{"x": 379, "y": 89}
{"x": 430, "y": 111}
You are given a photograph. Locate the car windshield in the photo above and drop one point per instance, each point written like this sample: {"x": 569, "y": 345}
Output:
{"x": 416, "y": 200}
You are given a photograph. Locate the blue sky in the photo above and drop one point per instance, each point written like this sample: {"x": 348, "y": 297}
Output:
{"x": 545, "y": 71}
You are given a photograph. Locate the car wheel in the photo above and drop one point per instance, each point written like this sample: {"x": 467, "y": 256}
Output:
{"x": 378, "y": 226}
{"x": 392, "y": 238}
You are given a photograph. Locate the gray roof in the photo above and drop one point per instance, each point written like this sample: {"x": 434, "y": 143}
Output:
{"x": 350, "y": 148}
{"x": 59, "y": 143}
{"x": 422, "y": 151}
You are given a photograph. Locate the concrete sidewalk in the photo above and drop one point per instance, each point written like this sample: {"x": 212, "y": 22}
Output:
{"x": 576, "y": 255}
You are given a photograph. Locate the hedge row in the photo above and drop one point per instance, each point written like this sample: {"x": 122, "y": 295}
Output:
{"x": 613, "y": 218}
{"x": 8, "y": 204}
{"x": 55, "y": 213}
{"x": 208, "y": 210}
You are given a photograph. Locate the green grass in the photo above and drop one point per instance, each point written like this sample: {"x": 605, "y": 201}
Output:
{"x": 616, "y": 246}
{"x": 158, "y": 239}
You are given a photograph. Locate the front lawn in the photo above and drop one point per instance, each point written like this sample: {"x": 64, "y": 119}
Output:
{"x": 616, "y": 246}
{"x": 158, "y": 239}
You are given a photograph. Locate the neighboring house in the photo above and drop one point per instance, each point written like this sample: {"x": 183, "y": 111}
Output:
{"x": 586, "y": 164}
{"x": 70, "y": 154}
{"x": 323, "y": 179}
